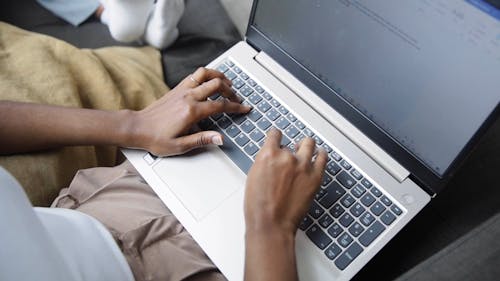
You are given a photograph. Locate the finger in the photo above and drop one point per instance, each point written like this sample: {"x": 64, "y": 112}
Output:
{"x": 208, "y": 108}
{"x": 202, "y": 75}
{"x": 320, "y": 163}
{"x": 273, "y": 139}
{"x": 211, "y": 87}
{"x": 190, "y": 142}
{"x": 306, "y": 149}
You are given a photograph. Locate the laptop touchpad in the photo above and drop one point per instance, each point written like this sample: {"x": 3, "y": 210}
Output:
{"x": 201, "y": 180}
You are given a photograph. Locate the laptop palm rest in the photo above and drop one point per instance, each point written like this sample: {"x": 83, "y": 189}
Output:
{"x": 199, "y": 189}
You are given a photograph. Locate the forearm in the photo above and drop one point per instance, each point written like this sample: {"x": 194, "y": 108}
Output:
{"x": 270, "y": 255}
{"x": 28, "y": 127}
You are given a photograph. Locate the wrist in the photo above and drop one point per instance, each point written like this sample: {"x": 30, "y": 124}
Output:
{"x": 126, "y": 134}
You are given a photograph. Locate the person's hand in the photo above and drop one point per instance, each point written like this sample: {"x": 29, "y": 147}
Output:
{"x": 281, "y": 185}
{"x": 163, "y": 127}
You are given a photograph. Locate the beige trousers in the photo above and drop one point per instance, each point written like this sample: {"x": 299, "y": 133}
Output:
{"x": 155, "y": 244}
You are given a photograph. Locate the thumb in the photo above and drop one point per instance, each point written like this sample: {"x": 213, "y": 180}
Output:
{"x": 200, "y": 139}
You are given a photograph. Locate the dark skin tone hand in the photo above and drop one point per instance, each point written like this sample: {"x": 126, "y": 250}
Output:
{"x": 280, "y": 185}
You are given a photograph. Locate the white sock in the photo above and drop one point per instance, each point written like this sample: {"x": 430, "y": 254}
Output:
{"x": 126, "y": 19}
{"x": 161, "y": 29}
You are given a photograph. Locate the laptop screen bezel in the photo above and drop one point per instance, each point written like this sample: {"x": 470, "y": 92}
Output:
{"x": 419, "y": 172}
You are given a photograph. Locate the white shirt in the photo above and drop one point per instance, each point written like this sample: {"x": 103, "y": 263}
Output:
{"x": 53, "y": 244}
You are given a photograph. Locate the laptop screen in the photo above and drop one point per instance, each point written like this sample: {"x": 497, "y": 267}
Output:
{"x": 425, "y": 72}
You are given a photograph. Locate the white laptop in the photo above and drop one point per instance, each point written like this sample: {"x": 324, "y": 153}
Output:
{"x": 397, "y": 92}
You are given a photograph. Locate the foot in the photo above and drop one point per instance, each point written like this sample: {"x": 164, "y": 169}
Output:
{"x": 161, "y": 29}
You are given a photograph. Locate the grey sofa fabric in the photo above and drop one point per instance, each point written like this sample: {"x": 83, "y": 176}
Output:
{"x": 205, "y": 32}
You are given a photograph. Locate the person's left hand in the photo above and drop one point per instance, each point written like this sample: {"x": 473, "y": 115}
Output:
{"x": 163, "y": 127}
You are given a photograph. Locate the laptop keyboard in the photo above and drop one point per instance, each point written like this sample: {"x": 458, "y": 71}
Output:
{"x": 348, "y": 212}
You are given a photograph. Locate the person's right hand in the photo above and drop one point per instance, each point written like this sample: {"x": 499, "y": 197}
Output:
{"x": 281, "y": 185}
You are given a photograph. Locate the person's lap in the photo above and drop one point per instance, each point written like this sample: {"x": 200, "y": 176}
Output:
{"x": 155, "y": 244}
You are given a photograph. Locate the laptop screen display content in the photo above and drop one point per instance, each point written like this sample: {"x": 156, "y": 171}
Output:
{"x": 414, "y": 68}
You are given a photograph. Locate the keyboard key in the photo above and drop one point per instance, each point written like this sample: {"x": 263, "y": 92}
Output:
{"x": 224, "y": 122}
{"x": 235, "y": 153}
{"x": 345, "y": 164}
{"x": 388, "y": 217}
{"x": 275, "y": 103}
{"x": 318, "y": 140}
{"x": 386, "y": 201}
{"x": 348, "y": 256}
{"x": 367, "y": 199}
{"x": 273, "y": 114}
{"x": 357, "y": 209}
{"x": 259, "y": 89}
{"x": 326, "y": 179}
{"x": 336, "y": 156}
{"x": 230, "y": 63}
{"x": 251, "y": 83}
{"x": 291, "y": 117}
{"x": 256, "y": 135}
{"x": 299, "y": 138}
{"x": 356, "y": 229}
{"x": 308, "y": 132}
{"x": 333, "y": 251}
{"x": 366, "y": 183}
{"x": 336, "y": 211}
{"x": 344, "y": 240}
{"x": 366, "y": 219}
{"x": 217, "y": 116}
{"x": 285, "y": 141}
{"x": 205, "y": 124}
{"x": 283, "y": 110}
{"x": 237, "y": 69}
{"x": 241, "y": 140}
{"x": 333, "y": 192}
{"x": 238, "y": 118}
{"x": 264, "y": 124}
{"x": 230, "y": 75}
{"x": 292, "y": 132}
{"x": 327, "y": 148}
{"x": 254, "y": 98}
{"x": 282, "y": 123}
{"x": 347, "y": 201}
{"x": 321, "y": 192}
{"x": 238, "y": 83}
{"x": 244, "y": 76}
{"x": 325, "y": 221}
{"x": 300, "y": 125}
{"x": 264, "y": 106}
{"x": 305, "y": 223}
{"x": 346, "y": 219}
{"x": 396, "y": 210}
{"x": 345, "y": 179}
{"x": 232, "y": 131}
{"x": 246, "y": 91}
{"x": 315, "y": 210}
{"x": 376, "y": 192}
{"x": 267, "y": 96}
{"x": 222, "y": 68}
{"x": 318, "y": 237}
{"x": 251, "y": 148}
{"x": 371, "y": 234}
{"x": 358, "y": 191}
{"x": 254, "y": 115}
{"x": 357, "y": 175}
{"x": 335, "y": 230}
{"x": 247, "y": 126}
{"x": 377, "y": 208}
{"x": 333, "y": 168}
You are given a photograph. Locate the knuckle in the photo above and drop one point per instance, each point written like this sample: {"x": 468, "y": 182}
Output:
{"x": 202, "y": 71}
{"x": 217, "y": 82}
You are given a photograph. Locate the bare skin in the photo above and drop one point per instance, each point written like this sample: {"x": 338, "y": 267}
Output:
{"x": 161, "y": 128}
{"x": 280, "y": 188}
{"x": 280, "y": 185}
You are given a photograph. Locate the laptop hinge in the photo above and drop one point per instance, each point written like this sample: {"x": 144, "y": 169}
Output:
{"x": 333, "y": 117}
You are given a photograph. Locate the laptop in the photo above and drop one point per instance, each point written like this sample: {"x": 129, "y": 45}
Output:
{"x": 397, "y": 93}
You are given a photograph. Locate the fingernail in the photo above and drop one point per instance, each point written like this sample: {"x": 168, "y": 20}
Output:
{"x": 217, "y": 140}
